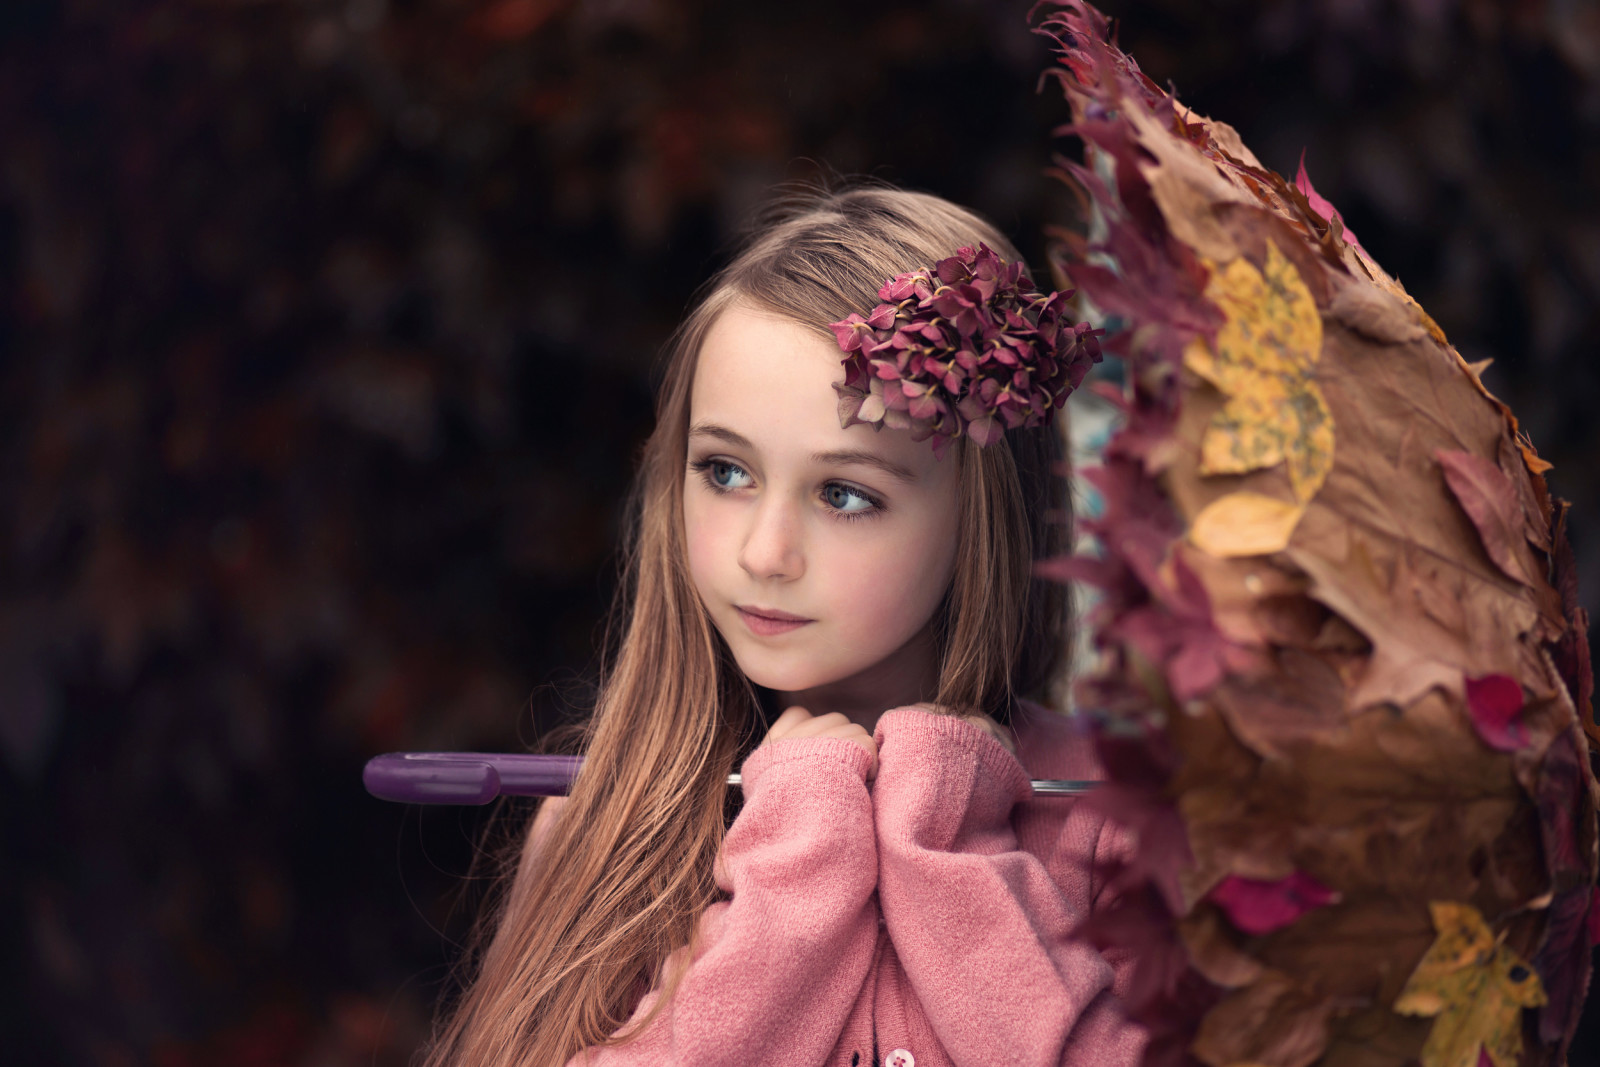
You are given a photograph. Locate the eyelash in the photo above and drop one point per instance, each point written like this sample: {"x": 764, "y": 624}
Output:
{"x": 704, "y": 466}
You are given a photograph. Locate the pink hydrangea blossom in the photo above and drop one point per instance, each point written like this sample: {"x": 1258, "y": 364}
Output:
{"x": 969, "y": 347}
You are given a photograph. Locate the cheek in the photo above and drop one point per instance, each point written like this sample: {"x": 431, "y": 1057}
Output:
{"x": 889, "y": 593}
{"x": 699, "y": 535}
{"x": 710, "y": 540}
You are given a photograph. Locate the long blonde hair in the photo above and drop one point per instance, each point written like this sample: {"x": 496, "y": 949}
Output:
{"x": 623, "y": 874}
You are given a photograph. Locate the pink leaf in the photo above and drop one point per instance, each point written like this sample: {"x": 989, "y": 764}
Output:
{"x": 1495, "y": 704}
{"x": 1320, "y": 203}
{"x": 1486, "y": 494}
{"x": 1258, "y": 907}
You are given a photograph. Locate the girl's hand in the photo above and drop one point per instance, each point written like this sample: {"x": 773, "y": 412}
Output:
{"x": 982, "y": 722}
{"x": 798, "y": 722}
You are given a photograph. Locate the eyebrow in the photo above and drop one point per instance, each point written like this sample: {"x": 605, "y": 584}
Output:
{"x": 858, "y": 456}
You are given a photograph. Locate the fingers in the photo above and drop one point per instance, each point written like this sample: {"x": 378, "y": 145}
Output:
{"x": 866, "y": 742}
{"x": 797, "y": 722}
{"x": 823, "y": 725}
{"x": 785, "y": 723}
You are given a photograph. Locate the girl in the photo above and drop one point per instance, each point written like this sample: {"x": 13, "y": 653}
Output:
{"x": 889, "y": 893}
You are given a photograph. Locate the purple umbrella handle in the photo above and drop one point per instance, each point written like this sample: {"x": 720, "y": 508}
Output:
{"x": 479, "y": 777}
{"x": 467, "y": 777}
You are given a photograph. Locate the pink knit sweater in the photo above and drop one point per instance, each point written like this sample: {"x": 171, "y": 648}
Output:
{"x": 922, "y": 921}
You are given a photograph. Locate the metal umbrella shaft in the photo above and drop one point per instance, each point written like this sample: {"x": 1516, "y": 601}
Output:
{"x": 479, "y": 777}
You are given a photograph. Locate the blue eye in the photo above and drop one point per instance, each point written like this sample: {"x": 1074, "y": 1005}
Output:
{"x": 720, "y": 475}
{"x": 847, "y": 501}
{"x": 727, "y": 475}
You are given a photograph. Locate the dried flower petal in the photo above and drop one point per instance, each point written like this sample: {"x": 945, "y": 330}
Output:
{"x": 1495, "y": 704}
{"x": 1259, "y": 907}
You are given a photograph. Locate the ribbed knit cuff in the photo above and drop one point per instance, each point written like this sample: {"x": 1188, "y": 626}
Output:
{"x": 827, "y": 755}
{"x": 950, "y": 737}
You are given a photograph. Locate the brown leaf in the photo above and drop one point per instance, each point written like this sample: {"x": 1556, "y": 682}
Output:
{"x": 1532, "y": 494}
{"x": 1357, "y": 953}
{"x": 1215, "y": 949}
{"x": 1423, "y": 636}
{"x": 1301, "y": 697}
{"x": 1186, "y": 185}
{"x": 1375, "y": 1037}
{"x": 1249, "y": 598}
{"x": 1273, "y": 1022}
{"x": 1374, "y": 313}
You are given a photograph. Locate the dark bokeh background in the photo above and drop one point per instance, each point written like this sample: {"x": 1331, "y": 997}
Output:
{"x": 327, "y": 334}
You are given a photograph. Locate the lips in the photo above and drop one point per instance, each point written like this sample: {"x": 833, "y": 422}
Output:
{"x": 765, "y": 622}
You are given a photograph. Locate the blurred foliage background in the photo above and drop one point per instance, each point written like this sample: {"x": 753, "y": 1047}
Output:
{"x": 327, "y": 336}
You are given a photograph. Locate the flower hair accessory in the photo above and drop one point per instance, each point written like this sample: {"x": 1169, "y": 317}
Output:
{"x": 968, "y": 347}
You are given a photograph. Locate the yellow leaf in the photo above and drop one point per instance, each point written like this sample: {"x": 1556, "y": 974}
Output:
{"x": 1244, "y": 524}
{"x": 1262, "y": 361}
{"x": 1475, "y": 986}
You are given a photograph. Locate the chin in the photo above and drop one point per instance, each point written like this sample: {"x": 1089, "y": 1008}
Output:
{"x": 782, "y": 679}
{"x": 778, "y": 671}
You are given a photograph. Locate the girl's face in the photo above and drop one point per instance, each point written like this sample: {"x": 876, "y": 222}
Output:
{"x": 821, "y": 553}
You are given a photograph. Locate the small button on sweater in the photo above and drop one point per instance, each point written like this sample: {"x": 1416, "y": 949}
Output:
{"x": 926, "y": 914}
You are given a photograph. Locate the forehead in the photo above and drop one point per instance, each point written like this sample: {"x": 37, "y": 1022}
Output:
{"x": 771, "y": 380}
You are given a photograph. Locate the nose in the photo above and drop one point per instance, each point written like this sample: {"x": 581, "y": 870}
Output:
{"x": 773, "y": 549}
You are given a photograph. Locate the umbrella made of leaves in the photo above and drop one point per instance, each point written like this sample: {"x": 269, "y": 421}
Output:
{"x": 1343, "y": 686}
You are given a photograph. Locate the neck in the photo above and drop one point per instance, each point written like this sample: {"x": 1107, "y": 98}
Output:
{"x": 909, "y": 675}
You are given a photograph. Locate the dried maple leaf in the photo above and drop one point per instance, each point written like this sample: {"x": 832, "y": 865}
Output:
{"x": 1262, "y": 360}
{"x": 1474, "y": 987}
{"x": 1430, "y": 619}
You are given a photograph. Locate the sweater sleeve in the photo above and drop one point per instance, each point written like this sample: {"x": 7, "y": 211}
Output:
{"x": 775, "y": 969}
{"x": 980, "y": 927}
